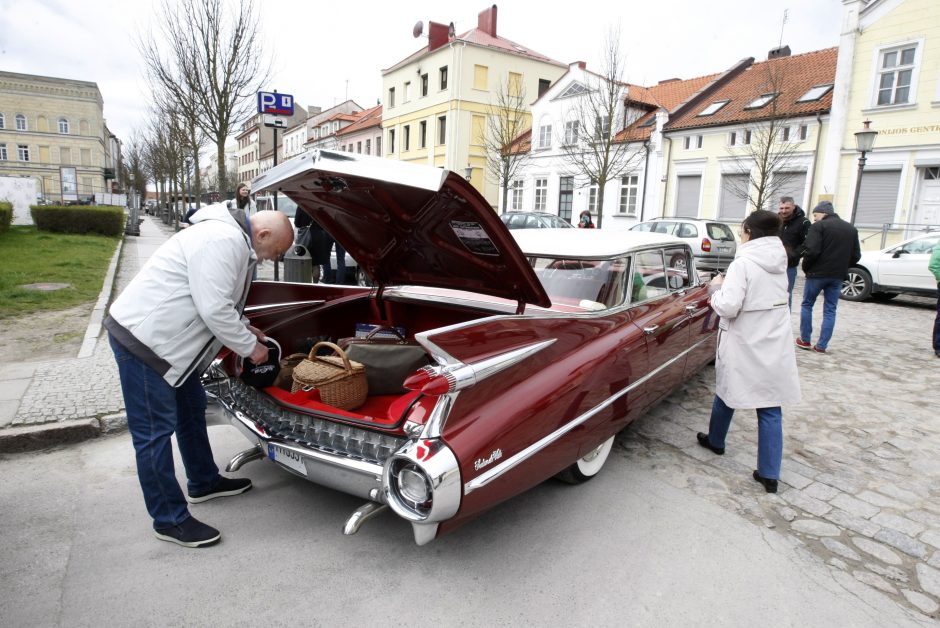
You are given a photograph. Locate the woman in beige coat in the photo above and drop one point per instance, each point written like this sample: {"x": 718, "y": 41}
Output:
{"x": 755, "y": 365}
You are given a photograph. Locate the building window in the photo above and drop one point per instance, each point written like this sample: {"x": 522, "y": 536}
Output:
{"x": 592, "y": 198}
{"x": 896, "y": 68}
{"x": 22, "y": 152}
{"x": 693, "y": 142}
{"x": 565, "y": 197}
{"x": 391, "y": 97}
{"x": 368, "y": 147}
{"x": 785, "y": 134}
{"x": 544, "y": 84}
{"x": 359, "y": 147}
{"x": 545, "y": 136}
{"x": 3, "y": 152}
{"x": 714, "y": 107}
{"x": 21, "y": 122}
{"x": 602, "y": 126}
{"x": 391, "y": 141}
{"x": 515, "y": 84}
{"x": 804, "y": 132}
{"x": 63, "y": 126}
{"x": 516, "y": 201}
{"x": 747, "y": 137}
{"x": 424, "y": 84}
{"x": 815, "y": 93}
{"x": 732, "y": 138}
{"x": 481, "y": 75}
{"x": 761, "y": 101}
{"x": 422, "y": 134}
{"x": 407, "y": 92}
{"x": 3, "y": 121}
{"x": 406, "y": 138}
{"x": 571, "y": 132}
{"x": 378, "y": 144}
{"x": 628, "y": 193}
{"x": 541, "y": 194}
{"x": 442, "y": 130}
{"x": 442, "y": 77}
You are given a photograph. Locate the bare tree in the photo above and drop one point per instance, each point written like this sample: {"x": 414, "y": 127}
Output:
{"x": 135, "y": 165}
{"x": 213, "y": 66}
{"x": 590, "y": 150}
{"x": 764, "y": 150}
{"x": 507, "y": 118}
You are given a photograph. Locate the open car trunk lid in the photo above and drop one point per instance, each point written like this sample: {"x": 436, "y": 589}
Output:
{"x": 407, "y": 224}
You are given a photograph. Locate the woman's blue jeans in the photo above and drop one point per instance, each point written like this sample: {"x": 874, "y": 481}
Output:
{"x": 769, "y": 435}
{"x": 155, "y": 410}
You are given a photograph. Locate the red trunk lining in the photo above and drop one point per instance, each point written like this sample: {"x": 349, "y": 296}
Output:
{"x": 378, "y": 409}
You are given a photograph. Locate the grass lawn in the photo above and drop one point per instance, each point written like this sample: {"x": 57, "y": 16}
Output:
{"x": 31, "y": 256}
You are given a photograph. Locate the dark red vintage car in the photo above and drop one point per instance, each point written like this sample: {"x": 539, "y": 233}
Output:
{"x": 541, "y": 344}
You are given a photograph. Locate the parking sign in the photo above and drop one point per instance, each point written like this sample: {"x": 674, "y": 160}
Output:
{"x": 275, "y": 103}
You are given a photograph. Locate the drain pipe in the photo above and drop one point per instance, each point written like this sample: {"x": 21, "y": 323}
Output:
{"x": 812, "y": 174}
{"x": 646, "y": 169}
{"x": 666, "y": 176}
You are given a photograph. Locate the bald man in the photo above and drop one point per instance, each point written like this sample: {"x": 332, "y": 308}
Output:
{"x": 165, "y": 327}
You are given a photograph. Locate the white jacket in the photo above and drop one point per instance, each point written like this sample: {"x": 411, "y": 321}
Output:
{"x": 186, "y": 302}
{"x": 756, "y": 362}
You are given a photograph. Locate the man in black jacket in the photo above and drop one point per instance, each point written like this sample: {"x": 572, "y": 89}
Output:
{"x": 793, "y": 233}
{"x": 831, "y": 247}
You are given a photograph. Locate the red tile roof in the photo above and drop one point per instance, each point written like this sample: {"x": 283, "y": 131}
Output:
{"x": 666, "y": 95}
{"x": 791, "y": 77}
{"x": 366, "y": 119}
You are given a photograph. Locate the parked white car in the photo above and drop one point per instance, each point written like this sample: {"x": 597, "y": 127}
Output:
{"x": 882, "y": 275}
{"x": 713, "y": 243}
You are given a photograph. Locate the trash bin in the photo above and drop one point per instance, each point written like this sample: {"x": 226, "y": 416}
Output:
{"x": 298, "y": 266}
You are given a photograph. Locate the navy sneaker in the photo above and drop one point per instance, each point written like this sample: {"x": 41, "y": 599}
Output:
{"x": 189, "y": 533}
{"x": 223, "y": 488}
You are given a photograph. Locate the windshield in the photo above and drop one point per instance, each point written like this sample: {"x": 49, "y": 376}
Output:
{"x": 589, "y": 284}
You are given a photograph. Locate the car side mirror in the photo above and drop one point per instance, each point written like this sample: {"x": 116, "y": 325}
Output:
{"x": 897, "y": 253}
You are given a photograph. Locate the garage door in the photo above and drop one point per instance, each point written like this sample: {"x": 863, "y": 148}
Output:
{"x": 794, "y": 185}
{"x": 687, "y": 193}
{"x": 732, "y": 207}
{"x": 877, "y": 198}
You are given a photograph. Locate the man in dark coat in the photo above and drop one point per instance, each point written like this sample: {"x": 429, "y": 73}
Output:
{"x": 830, "y": 248}
{"x": 793, "y": 232}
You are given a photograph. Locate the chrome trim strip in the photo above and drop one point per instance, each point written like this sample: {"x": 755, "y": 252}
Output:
{"x": 424, "y": 532}
{"x": 485, "y": 478}
{"x": 280, "y": 304}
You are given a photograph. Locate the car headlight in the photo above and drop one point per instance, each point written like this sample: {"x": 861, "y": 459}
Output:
{"x": 422, "y": 481}
{"x": 414, "y": 486}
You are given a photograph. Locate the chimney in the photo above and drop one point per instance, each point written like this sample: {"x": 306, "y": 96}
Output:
{"x": 669, "y": 80}
{"x": 486, "y": 21}
{"x": 776, "y": 53}
{"x": 582, "y": 65}
{"x": 438, "y": 35}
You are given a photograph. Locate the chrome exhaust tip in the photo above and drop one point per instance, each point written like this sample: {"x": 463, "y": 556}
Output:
{"x": 243, "y": 457}
{"x": 361, "y": 515}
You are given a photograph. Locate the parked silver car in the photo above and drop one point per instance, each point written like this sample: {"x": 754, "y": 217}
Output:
{"x": 882, "y": 275}
{"x": 713, "y": 243}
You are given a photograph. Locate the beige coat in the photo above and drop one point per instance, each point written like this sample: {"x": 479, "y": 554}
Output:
{"x": 756, "y": 362}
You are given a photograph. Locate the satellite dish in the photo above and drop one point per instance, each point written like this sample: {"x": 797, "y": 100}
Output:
{"x": 450, "y": 30}
{"x": 418, "y": 29}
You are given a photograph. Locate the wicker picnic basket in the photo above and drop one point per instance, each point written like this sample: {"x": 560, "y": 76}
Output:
{"x": 341, "y": 382}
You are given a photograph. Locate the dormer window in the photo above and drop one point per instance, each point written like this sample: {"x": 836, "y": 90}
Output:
{"x": 815, "y": 93}
{"x": 575, "y": 89}
{"x": 762, "y": 100}
{"x": 713, "y": 108}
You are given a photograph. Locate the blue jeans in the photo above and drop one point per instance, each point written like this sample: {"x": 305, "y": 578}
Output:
{"x": 811, "y": 289}
{"x": 769, "y": 435}
{"x": 155, "y": 410}
{"x": 791, "y": 281}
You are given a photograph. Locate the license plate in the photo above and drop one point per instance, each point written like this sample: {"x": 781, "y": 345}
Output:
{"x": 286, "y": 457}
{"x": 724, "y": 249}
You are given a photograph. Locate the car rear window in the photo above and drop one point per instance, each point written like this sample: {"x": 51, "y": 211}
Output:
{"x": 687, "y": 230}
{"x": 719, "y": 231}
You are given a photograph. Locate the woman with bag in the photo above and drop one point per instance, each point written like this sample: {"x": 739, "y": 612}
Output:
{"x": 756, "y": 362}
{"x": 312, "y": 237}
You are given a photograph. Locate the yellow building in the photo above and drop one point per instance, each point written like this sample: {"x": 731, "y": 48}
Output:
{"x": 889, "y": 74}
{"x": 53, "y": 131}
{"x": 437, "y": 100}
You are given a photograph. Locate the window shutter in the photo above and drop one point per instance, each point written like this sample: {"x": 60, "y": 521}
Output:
{"x": 794, "y": 186}
{"x": 731, "y": 206}
{"x": 877, "y": 197}
{"x": 687, "y": 193}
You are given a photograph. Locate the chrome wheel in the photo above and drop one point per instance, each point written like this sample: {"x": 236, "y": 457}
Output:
{"x": 857, "y": 285}
{"x": 679, "y": 262}
{"x": 588, "y": 466}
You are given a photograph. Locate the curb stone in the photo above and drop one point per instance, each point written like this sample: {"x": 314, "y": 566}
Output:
{"x": 20, "y": 439}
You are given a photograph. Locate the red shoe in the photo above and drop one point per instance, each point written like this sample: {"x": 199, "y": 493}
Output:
{"x": 819, "y": 349}
{"x": 802, "y": 344}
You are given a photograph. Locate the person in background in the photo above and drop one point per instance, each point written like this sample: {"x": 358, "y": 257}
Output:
{"x": 830, "y": 248}
{"x": 183, "y": 306}
{"x": 243, "y": 200}
{"x": 755, "y": 365}
{"x": 934, "y": 267}
{"x": 585, "y": 221}
{"x": 792, "y": 233}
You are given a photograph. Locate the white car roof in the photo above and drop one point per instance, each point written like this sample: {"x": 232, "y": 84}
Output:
{"x": 594, "y": 243}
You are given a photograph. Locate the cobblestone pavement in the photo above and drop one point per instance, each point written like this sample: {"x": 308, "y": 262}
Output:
{"x": 860, "y": 472}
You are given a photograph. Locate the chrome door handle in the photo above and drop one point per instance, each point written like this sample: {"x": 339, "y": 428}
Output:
{"x": 649, "y": 330}
{"x": 690, "y": 308}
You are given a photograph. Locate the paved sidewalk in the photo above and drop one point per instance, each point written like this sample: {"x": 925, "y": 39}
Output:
{"x": 67, "y": 400}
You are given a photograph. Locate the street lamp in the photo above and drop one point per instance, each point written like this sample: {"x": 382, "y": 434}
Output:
{"x": 468, "y": 172}
{"x": 864, "y": 141}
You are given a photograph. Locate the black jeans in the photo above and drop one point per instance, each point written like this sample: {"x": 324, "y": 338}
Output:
{"x": 936, "y": 325}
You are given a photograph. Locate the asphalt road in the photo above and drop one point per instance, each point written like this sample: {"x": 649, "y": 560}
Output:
{"x": 626, "y": 548}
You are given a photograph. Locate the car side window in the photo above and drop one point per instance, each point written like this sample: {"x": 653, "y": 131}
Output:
{"x": 649, "y": 276}
{"x": 687, "y": 230}
{"x": 924, "y": 245}
{"x": 516, "y": 222}
{"x": 532, "y": 222}
{"x": 678, "y": 271}
{"x": 664, "y": 227}
{"x": 641, "y": 226}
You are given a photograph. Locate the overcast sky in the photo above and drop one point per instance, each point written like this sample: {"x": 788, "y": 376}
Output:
{"x": 323, "y": 53}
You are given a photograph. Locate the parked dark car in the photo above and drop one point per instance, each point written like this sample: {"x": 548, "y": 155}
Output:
{"x": 534, "y": 220}
{"x": 540, "y": 344}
